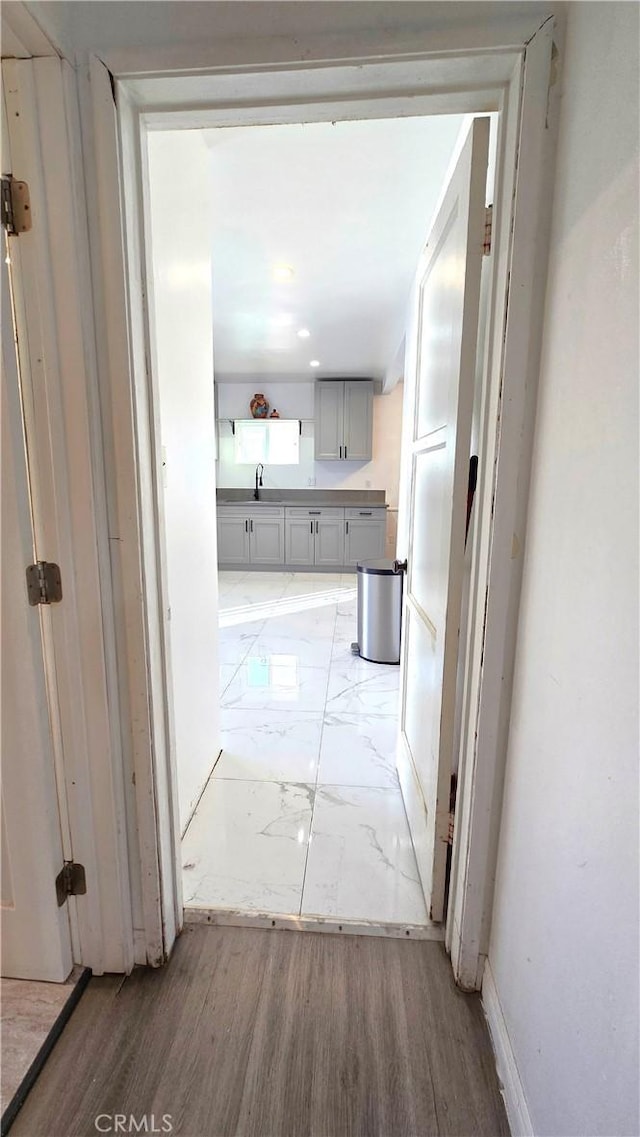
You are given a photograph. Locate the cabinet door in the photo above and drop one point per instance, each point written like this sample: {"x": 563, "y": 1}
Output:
{"x": 329, "y": 422}
{"x": 266, "y": 540}
{"x": 233, "y": 540}
{"x": 358, "y": 420}
{"x": 364, "y": 540}
{"x": 299, "y": 541}
{"x": 329, "y": 541}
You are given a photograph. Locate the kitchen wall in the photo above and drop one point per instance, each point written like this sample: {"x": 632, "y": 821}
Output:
{"x": 295, "y": 400}
{"x": 564, "y": 943}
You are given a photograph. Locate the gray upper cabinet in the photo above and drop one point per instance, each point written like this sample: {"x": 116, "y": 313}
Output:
{"x": 358, "y": 421}
{"x": 343, "y": 427}
{"x": 329, "y": 421}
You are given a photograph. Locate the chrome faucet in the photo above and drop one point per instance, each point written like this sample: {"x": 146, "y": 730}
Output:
{"x": 256, "y": 492}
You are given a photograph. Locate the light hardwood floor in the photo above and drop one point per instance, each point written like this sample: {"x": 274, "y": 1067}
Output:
{"x": 274, "y": 1033}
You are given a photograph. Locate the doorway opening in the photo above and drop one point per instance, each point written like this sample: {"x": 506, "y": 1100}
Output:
{"x": 290, "y": 293}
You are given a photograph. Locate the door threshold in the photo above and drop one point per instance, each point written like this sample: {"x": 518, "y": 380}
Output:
{"x": 242, "y": 919}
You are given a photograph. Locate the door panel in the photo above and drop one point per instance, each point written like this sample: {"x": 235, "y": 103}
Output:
{"x": 329, "y": 421}
{"x": 441, "y": 356}
{"x": 36, "y": 941}
{"x": 299, "y": 541}
{"x": 329, "y": 547}
{"x": 266, "y": 540}
{"x": 358, "y": 413}
{"x": 429, "y": 561}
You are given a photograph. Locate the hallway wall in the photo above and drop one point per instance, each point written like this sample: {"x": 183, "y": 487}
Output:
{"x": 184, "y": 370}
{"x": 563, "y": 954}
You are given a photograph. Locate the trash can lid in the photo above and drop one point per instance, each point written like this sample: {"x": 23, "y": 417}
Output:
{"x": 382, "y": 567}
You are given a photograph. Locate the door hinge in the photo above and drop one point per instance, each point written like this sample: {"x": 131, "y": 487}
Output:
{"x": 70, "y": 881}
{"x": 15, "y": 206}
{"x": 44, "y": 583}
{"x": 488, "y": 227}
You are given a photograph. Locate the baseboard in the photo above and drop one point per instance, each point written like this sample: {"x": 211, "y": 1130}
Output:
{"x": 512, "y": 1088}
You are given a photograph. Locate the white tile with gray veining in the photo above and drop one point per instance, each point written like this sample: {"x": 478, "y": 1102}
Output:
{"x": 303, "y": 814}
{"x": 359, "y": 750}
{"x": 356, "y": 690}
{"x": 277, "y": 683}
{"x": 361, "y": 864}
{"x": 276, "y": 746}
{"x": 246, "y": 846}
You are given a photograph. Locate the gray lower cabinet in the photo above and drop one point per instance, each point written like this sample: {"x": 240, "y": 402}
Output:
{"x": 314, "y": 536}
{"x": 248, "y": 536}
{"x": 299, "y": 541}
{"x": 329, "y": 548}
{"x": 266, "y": 540}
{"x": 325, "y": 537}
{"x": 364, "y": 535}
{"x": 233, "y": 539}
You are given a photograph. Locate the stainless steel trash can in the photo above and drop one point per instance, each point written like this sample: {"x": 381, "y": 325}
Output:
{"x": 379, "y": 610}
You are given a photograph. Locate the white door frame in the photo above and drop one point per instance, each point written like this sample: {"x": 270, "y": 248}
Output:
{"x": 267, "y": 82}
{"x": 57, "y": 362}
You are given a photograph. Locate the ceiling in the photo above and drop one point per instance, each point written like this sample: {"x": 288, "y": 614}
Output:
{"x": 347, "y": 206}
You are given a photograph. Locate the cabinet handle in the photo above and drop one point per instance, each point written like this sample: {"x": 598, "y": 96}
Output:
{"x": 317, "y": 525}
{"x": 252, "y": 526}
{"x": 345, "y": 452}
{"x": 314, "y": 513}
{"x": 246, "y": 526}
{"x": 365, "y": 513}
{"x": 311, "y": 523}
{"x": 341, "y": 452}
{"x": 347, "y": 529}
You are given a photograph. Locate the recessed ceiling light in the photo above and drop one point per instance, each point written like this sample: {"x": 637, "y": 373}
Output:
{"x": 314, "y": 363}
{"x": 283, "y": 273}
{"x": 304, "y": 333}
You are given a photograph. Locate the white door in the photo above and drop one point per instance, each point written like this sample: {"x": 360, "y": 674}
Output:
{"x": 36, "y": 942}
{"x": 442, "y": 353}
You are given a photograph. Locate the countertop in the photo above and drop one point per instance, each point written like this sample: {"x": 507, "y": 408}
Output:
{"x": 350, "y": 499}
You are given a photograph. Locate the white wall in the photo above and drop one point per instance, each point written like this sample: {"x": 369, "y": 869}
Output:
{"x": 295, "y": 400}
{"x": 564, "y": 944}
{"x": 181, "y": 240}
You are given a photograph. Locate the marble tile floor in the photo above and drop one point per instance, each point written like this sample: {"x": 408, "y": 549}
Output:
{"x": 303, "y": 814}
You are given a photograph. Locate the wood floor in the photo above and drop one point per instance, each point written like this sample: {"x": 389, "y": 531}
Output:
{"x": 274, "y": 1033}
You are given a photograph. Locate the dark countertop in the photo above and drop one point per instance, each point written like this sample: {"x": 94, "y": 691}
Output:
{"x": 352, "y": 499}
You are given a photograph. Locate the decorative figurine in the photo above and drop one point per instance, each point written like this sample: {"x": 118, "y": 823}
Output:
{"x": 259, "y": 406}
{"x": 274, "y": 413}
